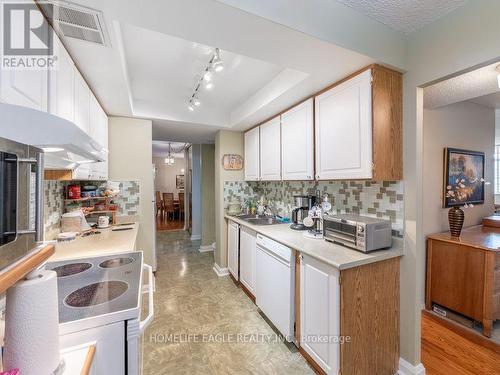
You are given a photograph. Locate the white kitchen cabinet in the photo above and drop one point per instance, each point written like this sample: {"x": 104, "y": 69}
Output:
{"x": 24, "y": 87}
{"x": 252, "y": 155}
{"x": 27, "y": 88}
{"x": 248, "y": 250}
{"x": 297, "y": 142}
{"x": 320, "y": 312}
{"x": 233, "y": 248}
{"x": 343, "y": 130}
{"x": 270, "y": 150}
{"x": 62, "y": 84}
{"x": 99, "y": 132}
{"x": 82, "y": 103}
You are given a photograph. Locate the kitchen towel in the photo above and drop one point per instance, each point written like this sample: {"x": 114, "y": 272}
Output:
{"x": 32, "y": 325}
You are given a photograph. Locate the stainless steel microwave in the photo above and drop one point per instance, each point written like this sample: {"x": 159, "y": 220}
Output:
{"x": 358, "y": 232}
{"x": 21, "y": 200}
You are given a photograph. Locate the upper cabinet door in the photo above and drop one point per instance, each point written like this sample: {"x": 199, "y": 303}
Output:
{"x": 297, "y": 142}
{"x": 27, "y": 88}
{"x": 252, "y": 172}
{"x": 99, "y": 132}
{"x": 82, "y": 103}
{"x": 62, "y": 84}
{"x": 270, "y": 150}
{"x": 343, "y": 125}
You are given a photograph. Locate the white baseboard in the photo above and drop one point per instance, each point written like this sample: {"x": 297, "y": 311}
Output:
{"x": 220, "y": 271}
{"x": 207, "y": 248}
{"x": 406, "y": 368}
{"x": 195, "y": 237}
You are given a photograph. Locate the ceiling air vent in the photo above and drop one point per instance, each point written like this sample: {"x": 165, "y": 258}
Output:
{"x": 75, "y": 21}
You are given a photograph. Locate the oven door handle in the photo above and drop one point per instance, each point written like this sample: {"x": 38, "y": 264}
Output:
{"x": 337, "y": 234}
{"x": 38, "y": 162}
{"x": 143, "y": 324}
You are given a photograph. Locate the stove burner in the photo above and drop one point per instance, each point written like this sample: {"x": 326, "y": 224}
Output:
{"x": 71, "y": 269}
{"x": 115, "y": 262}
{"x": 96, "y": 294}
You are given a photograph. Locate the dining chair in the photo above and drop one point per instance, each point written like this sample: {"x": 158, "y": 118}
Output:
{"x": 159, "y": 204}
{"x": 168, "y": 204}
{"x": 181, "y": 205}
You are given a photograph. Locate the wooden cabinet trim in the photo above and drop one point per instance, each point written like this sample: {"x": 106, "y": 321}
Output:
{"x": 369, "y": 303}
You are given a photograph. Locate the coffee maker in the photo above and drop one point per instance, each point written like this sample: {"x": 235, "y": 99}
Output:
{"x": 303, "y": 204}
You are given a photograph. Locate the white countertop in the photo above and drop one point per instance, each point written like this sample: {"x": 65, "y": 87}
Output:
{"x": 338, "y": 256}
{"x": 107, "y": 242}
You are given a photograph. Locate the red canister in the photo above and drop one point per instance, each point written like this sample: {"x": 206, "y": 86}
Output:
{"x": 74, "y": 192}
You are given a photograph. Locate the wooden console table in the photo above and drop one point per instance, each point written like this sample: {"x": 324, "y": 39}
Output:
{"x": 463, "y": 274}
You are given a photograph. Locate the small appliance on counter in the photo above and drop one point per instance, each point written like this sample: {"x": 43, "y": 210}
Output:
{"x": 358, "y": 232}
{"x": 303, "y": 203}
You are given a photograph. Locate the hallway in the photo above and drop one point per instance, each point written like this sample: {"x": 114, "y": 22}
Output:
{"x": 205, "y": 324}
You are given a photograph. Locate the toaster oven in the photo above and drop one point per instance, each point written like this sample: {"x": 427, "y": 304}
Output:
{"x": 358, "y": 232}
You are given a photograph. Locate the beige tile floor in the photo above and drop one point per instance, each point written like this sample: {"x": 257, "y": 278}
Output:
{"x": 195, "y": 311}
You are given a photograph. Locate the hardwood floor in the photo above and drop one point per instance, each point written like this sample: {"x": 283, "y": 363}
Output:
{"x": 445, "y": 352}
{"x": 165, "y": 225}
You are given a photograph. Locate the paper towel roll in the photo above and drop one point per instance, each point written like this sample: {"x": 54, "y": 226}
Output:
{"x": 32, "y": 325}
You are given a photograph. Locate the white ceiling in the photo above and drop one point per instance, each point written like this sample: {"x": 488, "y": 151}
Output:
{"x": 158, "y": 48}
{"x": 405, "y": 15}
{"x": 471, "y": 85}
{"x": 490, "y": 100}
{"x": 161, "y": 148}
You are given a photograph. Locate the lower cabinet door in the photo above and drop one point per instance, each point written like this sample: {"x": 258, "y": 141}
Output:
{"x": 233, "y": 249}
{"x": 320, "y": 313}
{"x": 109, "y": 357}
{"x": 247, "y": 258}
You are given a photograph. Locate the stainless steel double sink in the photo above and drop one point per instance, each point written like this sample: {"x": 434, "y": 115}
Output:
{"x": 259, "y": 219}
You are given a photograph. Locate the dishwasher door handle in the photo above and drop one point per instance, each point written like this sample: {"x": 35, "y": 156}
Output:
{"x": 143, "y": 324}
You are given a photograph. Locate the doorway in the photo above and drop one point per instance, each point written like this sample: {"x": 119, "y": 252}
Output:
{"x": 461, "y": 148}
{"x": 170, "y": 184}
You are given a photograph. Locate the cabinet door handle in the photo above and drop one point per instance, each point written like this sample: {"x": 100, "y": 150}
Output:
{"x": 301, "y": 257}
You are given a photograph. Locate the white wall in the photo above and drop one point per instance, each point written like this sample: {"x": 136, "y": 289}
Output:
{"x": 130, "y": 158}
{"x": 165, "y": 175}
{"x": 463, "y": 125}
{"x": 196, "y": 191}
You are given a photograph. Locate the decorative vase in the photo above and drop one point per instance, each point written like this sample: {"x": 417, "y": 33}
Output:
{"x": 456, "y": 221}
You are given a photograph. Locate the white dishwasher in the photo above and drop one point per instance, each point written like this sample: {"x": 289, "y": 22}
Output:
{"x": 275, "y": 284}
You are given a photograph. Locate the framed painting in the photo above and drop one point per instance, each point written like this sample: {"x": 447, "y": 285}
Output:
{"x": 463, "y": 177}
{"x": 179, "y": 182}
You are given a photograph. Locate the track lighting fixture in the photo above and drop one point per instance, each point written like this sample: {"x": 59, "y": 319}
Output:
{"x": 214, "y": 65}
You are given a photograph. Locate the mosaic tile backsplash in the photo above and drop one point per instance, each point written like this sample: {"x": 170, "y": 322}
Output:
{"x": 370, "y": 198}
{"x": 127, "y": 201}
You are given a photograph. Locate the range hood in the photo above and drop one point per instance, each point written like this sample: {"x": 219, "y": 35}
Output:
{"x": 66, "y": 146}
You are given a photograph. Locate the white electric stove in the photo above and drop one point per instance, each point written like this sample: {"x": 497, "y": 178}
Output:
{"x": 100, "y": 302}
